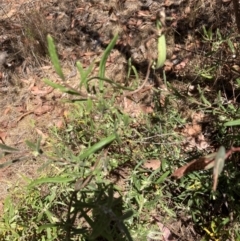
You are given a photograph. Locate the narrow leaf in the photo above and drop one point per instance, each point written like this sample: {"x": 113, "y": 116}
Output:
{"x": 80, "y": 70}
{"x": 102, "y": 65}
{"x": 231, "y": 46}
{"x": 205, "y": 101}
{"x": 128, "y": 214}
{"x": 51, "y": 180}
{"x": 31, "y": 145}
{"x": 45, "y": 226}
{"x": 97, "y": 147}
{"x": 54, "y": 57}
{"x": 84, "y": 73}
{"x": 34, "y": 147}
{"x": 232, "y": 123}
{"x": 8, "y": 149}
{"x": 162, "y": 48}
{"x": 62, "y": 88}
{"x": 110, "y": 82}
{"x": 135, "y": 73}
{"x": 8, "y": 163}
{"x": 163, "y": 177}
{"x": 218, "y": 165}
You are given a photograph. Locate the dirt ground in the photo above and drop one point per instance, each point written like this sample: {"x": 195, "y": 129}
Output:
{"x": 82, "y": 30}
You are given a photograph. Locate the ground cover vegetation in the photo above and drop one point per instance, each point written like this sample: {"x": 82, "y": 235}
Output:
{"x": 120, "y": 120}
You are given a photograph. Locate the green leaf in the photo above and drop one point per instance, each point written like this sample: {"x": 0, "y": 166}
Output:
{"x": 219, "y": 35}
{"x": 80, "y": 70}
{"x": 207, "y": 34}
{"x": 218, "y": 165}
{"x": 96, "y": 147}
{"x": 62, "y": 88}
{"x": 102, "y": 65}
{"x": 8, "y": 163}
{"x": 84, "y": 73}
{"x": 206, "y": 75}
{"x": 231, "y": 46}
{"x": 8, "y": 149}
{"x": 162, "y": 48}
{"x": 219, "y": 160}
{"x": 45, "y": 226}
{"x": 205, "y": 101}
{"x": 51, "y": 180}
{"x": 232, "y": 123}
{"x": 34, "y": 147}
{"x": 163, "y": 177}
{"x": 129, "y": 67}
{"x": 110, "y": 82}
{"x": 52, "y": 219}
{"x": 135, "y": 73}
{"x": 238, "y": 81}
{"x": 31, "y": 145}
{"x": 128, "y": 214}
{"x": 54, "y": 57}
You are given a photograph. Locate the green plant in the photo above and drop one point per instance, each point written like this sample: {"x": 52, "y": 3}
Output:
{"x": 84, "y": 79}
{"x": 95, "y": 184}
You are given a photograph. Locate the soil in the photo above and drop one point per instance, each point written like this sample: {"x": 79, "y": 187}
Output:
{"x": 82, "y": 30}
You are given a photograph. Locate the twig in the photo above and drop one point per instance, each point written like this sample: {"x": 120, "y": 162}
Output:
{"x": 143, "y": 84}
{"x": 236, "y": 7}
{"x": 231, "y": 151}
{"x": 23, "y": 115}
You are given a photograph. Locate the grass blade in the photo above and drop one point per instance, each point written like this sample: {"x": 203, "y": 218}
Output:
{"x": 61, "y": 87}
{"x": 97, "y": 147}
{"x": 110, "y": 82}
{"x": 8, "y": 149}
{"x": 84, "y": 73}
{"x": 51, "y": 180}
{"x": 102, "y": 65}
{"x": 163, "y": 177}
{"x": 8, "y": 163}
{"x": 205, "y": 101}
{"x": 232, "y": 123}
{"x": 35, "y": 147}
{"x": 54, "y": 57}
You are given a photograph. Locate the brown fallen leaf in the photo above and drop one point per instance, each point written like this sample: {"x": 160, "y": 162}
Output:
{"x": 3, "y": 136}
{"x": 152, "y": 164}
{"x": 166, "y": 233}
{"x": 43, "y": 109}
{"x": 44, "y": 136}
{"x": 36, "y": 91}
{"x": 202, "y": 163}
{"x": 60, "y": 124}
{"x": 6, "y": 111}
{"x": 4, "y": 124}
{"x": 46, "y": 67}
